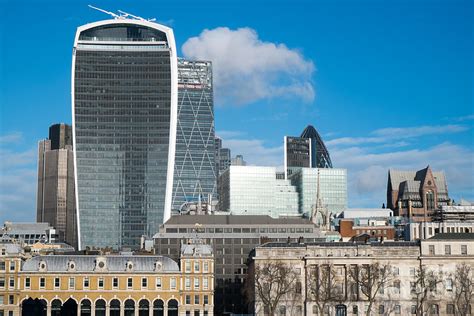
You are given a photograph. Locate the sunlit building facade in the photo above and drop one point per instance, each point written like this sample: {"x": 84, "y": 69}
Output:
{"x": 124, "y": 105}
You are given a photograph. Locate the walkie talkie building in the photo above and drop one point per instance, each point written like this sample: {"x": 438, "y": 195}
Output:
{"x": 124, "y": 105}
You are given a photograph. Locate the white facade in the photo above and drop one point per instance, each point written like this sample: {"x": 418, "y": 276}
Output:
{"x": 425, "y": 230}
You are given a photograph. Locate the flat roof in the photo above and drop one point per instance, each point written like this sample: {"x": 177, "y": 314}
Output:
{"x": 234, "y": 220}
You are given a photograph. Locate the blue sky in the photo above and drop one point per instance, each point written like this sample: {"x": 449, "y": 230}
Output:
{"x": 388, "y": 84}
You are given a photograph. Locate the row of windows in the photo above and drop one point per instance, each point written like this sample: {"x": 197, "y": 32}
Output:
{"x": 197, "y": 300}
{"x": 240, "y": 230}
{"x": 12, "y": 266}
{"x": 197, "y": 266}
{"x": 447, "y": 250}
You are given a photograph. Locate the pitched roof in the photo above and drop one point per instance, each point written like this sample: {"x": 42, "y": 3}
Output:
{"x": 452, "y": 236}
{"x": 415, "y": 178}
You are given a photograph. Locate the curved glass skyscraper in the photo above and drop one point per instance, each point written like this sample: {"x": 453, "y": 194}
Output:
{"x": 319, "y": 153}
{"x": 124, "y": 105}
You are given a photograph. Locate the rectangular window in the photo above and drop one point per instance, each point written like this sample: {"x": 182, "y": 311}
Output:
{"x": 205, "y": 284}
{"x": 2, "y": 265}
{"x": 27, "y": 283}
{"x": 447, "y": 249}
{"x": 187, "y": 267}
{"x": 173, "y": 284}
{"x": 397, "y": 309}
{"x": 42, "y": 283}
{"x": 206, "y": 266}
{"x": 412, "y": 271}
{"x": 57, "y": 283}
{"x": 381, "y": 309}
{"x": 197, "y": 312}
{"x": 196, "y": 266}
{"x": 115, "y": 283}
{"x": 1, "y": 303}
{"x": 86, "y": 282}
{"x": 450, "y": 309}
{"x": 187, "y": 283}
{"x": 11, "y": 299}
{"x": 129, "y": 283}
{"x": 101, "y": 283}
{"x": 144, "y": 282}
{"x": 396, "y": 287}
{"x": 12, "y": 283}
{"x": 396, "y": 271}
{"x": 206, "y": 300}
{"x": 188, "y": 299}
{"x": 431, "y": 250}
{"x": 196, "y": 299}
{"x": 72, "y": 283}
{"x": 12, "y": 266}
{"x": 2, "y": 283}
{"x": 158, "y": 283}
{"x": 412, "y": 287}
{"x": 449, "y": 285}
{"x": 464, "y": 249}
{"x": 196, "y": 283}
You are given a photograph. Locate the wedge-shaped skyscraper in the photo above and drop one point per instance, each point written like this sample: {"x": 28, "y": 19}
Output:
{"x": 124, "y": 105}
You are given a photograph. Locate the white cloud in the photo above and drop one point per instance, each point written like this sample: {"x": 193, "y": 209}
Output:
{"x": 11, "y": 138}
{"x": 246, "y": 69}
{"x": 255, "y": 152}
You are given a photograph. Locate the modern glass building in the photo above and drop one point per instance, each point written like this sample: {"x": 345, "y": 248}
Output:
{"x": 195, "y": 167}
{"x": 332, "y": 188}
{"x": 253, "y": 190}
{"x": 124, "y": 105}
{"x": 319, "y": 153}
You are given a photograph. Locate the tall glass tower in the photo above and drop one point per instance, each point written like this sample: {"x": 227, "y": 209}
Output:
{"x": 195, "y": 168}
{"x": 124, "y": 105}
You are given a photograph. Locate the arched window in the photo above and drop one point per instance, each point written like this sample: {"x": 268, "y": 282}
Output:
{"x": 143, "y": 308}
{"x": 56, "y": 308}
{"x": 430, "y": 202}
{"x": 33, "y": 307}
{"x": 114, "y": 308}
{"x": 173, "y": 308}
{"x": 129, "y": 308}
{"x": 158, "y": 308}
{"x": 85, "y": 308}
{"x": 100, "y": 308}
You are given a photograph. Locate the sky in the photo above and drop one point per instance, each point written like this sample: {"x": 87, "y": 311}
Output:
{"x": 388, "y": 84}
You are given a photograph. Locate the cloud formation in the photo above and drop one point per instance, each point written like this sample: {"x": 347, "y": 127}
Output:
{"x": 247, "y": 69}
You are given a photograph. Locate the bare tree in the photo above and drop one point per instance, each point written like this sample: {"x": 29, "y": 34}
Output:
{"x": 463, "y": 288}
{"x": 371, "y": 279}
{"x": 324, "y": 286}
{"x": 271, "y": 283}
{"x": 424, "y": 287}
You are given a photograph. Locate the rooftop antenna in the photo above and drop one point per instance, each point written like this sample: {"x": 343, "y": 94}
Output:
{"x": 115, "y": 16}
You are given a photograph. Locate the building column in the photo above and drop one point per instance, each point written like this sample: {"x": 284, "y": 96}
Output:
{"x": 78, "y": 309}
{"x": 92, "y": 308}
{"x": 122, "y": 308}
{"x": 48, "y": 309}
{"x": 107, "y": 308}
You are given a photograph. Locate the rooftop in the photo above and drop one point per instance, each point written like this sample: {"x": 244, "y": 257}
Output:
{"x": 235, "y": 220}
{"x": 453, "y": 236}
{"x": 341, "y": 244}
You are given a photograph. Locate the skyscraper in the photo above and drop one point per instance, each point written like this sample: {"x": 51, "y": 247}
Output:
{"x": 195, "y": 167}
{"x": 55, "y": 196}
{"x": 306, "y": 151}
{"x": 124, "y": 105}
{"x": 223, "y": 158}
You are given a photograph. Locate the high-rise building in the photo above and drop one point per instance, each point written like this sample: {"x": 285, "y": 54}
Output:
{"x": 55, "y": 195}
{"x": 238, "y": 161}
{"x": 327, "y": 183}
{"x": 124, "y": 105}
{"x": 416, "y": 194}
{"x": 195, "y": 167}
{"x": 306, "y": 151}
{"x": 254, "y": 190}
{"x": 223, "y": 158}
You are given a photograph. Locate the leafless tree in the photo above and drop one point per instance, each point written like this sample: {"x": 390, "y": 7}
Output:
{"x": 270, "y": 283}
{"x": 371, "y": 279}
{"x": 463, "y": 288}
{"x": 324, "y": 286}
{"x": 424, "y": 288}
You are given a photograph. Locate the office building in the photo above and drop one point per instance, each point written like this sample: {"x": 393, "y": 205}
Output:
{"x": 306, "y": 151}
{"x": 257, "y": 191}
{"x": 108, "y": 284}
{"x": 238, "y": 160}
{"x": 327, "y": 183}
{"x": 343, "y": 271}
{"x": 416, "y": 194}
{"x": 29, "y": 233}
{"x": 232, "y": 238}
{"x": 195, "y": 167}
{"x": 124, "y": 105}
{"x": 55, "y": 200}
{"x": 223, "y": 158}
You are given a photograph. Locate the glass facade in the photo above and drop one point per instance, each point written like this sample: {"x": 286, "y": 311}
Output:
{"x": 333, "y": 188}
{"x": 194, "y": 173}
{"x": 255, "y": 190}
{"x": 122, "y": 108}
{"x": 319, "y": 154}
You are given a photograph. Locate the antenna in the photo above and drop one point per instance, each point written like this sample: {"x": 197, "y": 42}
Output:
{"x": 115, "y": 16}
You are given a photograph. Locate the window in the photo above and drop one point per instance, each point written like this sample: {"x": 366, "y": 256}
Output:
{"x": 381, "y": 309}
{"x": 196, "y": 266}
{"x": 430, "y": 203}
{"x": 413, "y": 309}
{"x": 12, "y": 283}
{"x": 396, "y": 271}
{"x": 101, "y": 283}
{"x": 11, "y": 299}
{"x": 27, "y": 283}
{"x": 187, "y": 283}
{"x": 12, "y": 266}
{"x": 298, "y": 287}
{"x": 196, "y": 283}
{"x": 412, "y": 271}
{"x": 431, "y": 250}
{"x": 412, "y": 287}
{"x": 86, "y": 282}
{"x": 206, "y": 299}
{"x": 144, "y": 282}
{"x": 196, "y": 299}
{"x": 56, "y": 283}
{"x": 2, "y": 282}
{"x": 197, "y": 312}
{"x": 188, "y": 299}
{"x": 464, "y": 249}
{"x": 396, "y": 287}
{"x": 187, "y": 267}
{"x": 450, "y": 309}
{"x": 282, "y": 310}
{"x": 434, "y": 309}
{"x": 129, "y": 283}
{"x": 449, "y": 285}
{"x": 355, "y": 309}
{"x": 2, "y": 265}
{"x": 72, "y": 283}
{"x": 173, "y": 283}
{"x": 397, "y": 309}
{"x": 447, "y": 249}
{"x": 205, "y": 284}
{"x": 206, "y": 266}
{"x": 42, "y": 283}
{"x": 1, "y": 300}
{"x": 158, "y": 283}
{"x": 115, "y": 283}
